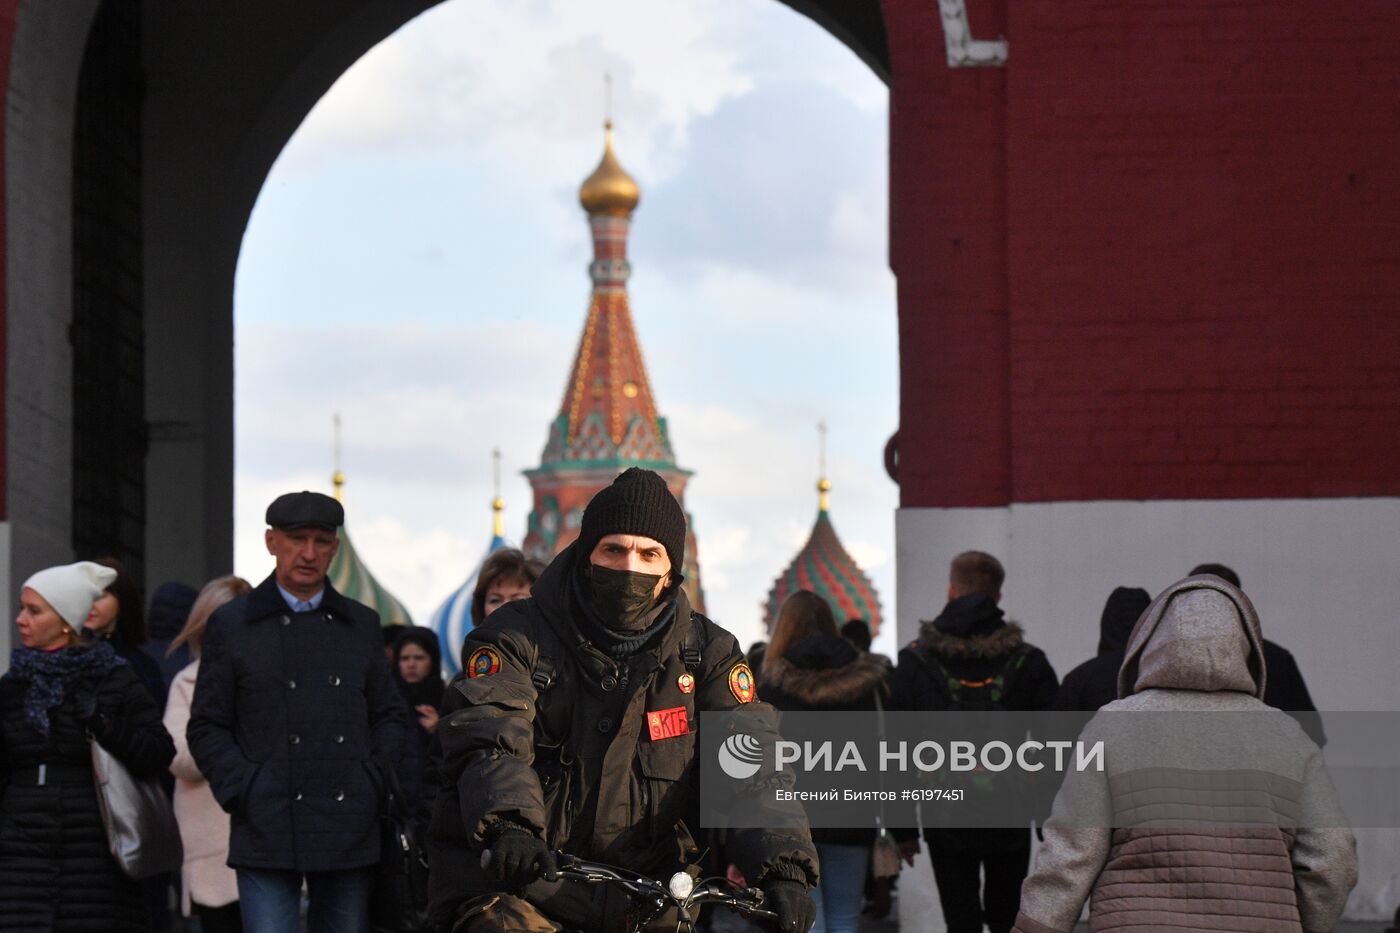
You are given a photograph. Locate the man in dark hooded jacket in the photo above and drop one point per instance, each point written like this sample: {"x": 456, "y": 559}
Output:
{"x": 971, "y": 657}
{"x": 1285, "y": 688}
{"x": 552, "y": 740}
{"x": 1095, "y": 682}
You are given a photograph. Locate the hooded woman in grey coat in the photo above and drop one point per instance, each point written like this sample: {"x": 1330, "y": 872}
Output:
{"x": 1213, "y": 811}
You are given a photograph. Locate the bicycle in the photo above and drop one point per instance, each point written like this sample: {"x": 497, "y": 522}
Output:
{"x": 681, "y": 892}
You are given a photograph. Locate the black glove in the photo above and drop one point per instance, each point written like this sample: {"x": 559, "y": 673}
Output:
{"x": 793, "y": 905}
{"x": 515, "y": 857}
{"x": 98, "y": 724}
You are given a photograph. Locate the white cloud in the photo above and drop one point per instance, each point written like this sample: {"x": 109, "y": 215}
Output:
{"x": 521, "y": 77}
{"x": 855, "y": 223}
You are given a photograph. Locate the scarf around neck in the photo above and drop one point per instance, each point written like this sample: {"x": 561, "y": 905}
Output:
{"x": 51, "y": 673}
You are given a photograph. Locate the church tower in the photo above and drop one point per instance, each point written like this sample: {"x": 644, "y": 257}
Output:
{"x": 608, "y": 420}
{"x": 826, "y": 568}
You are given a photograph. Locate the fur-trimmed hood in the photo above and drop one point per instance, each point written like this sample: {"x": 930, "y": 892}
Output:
{"x": 1003, "y": 640}
{"x": 823, "y": 672}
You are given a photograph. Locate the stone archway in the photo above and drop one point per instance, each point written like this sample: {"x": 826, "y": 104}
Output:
{"x": 220, "y": 92}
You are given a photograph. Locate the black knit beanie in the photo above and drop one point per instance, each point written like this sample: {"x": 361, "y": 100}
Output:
{"x": 637, "y": 503}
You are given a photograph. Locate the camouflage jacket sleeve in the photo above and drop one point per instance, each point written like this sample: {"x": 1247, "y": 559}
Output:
{"x": 783, "y": 850}
{"x": 488, "y": 742}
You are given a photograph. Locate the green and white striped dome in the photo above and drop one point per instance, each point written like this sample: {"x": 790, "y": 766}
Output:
{"x": 350, "y": 577}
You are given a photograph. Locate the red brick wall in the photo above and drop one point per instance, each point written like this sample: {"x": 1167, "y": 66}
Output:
{"x": 1157, "y": 256}
{"x": 947, "y": 249}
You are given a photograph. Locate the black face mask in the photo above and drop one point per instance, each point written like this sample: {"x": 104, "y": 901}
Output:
{"x": 622, "y": 598}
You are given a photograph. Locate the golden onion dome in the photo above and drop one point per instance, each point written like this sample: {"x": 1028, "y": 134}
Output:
{"x": 609, "y": 190}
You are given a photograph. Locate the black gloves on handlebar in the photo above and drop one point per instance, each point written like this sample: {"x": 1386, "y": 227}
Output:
{"x": 791, "y": 902}
{"x": 515, "y": 857}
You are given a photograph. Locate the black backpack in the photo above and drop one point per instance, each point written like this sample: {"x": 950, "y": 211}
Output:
{"x": 986, "y": 695}
{"x": 987, "y": 790}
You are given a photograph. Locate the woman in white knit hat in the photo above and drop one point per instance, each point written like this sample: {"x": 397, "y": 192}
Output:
{"x": 56, "y": 872}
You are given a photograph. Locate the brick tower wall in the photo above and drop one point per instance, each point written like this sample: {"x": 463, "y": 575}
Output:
{"x": 1154, "y": 257}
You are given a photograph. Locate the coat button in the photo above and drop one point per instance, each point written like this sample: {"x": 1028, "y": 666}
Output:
{"x": 329, "y": 617}
{"x": 298, "y": 796}
{"x": 340, "y": 739}
{"x": 340, "y": 795}
{"x": 291, "y": 685}
{"x": 605, "y": 724}
{"x": 334, "y": 680}
{"x": 294, "y": 739}
{"x": 286, "y": 620}
{"x": 609, "y": 683}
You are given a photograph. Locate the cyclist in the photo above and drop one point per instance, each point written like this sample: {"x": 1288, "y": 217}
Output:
{"x": 575, "y": 729}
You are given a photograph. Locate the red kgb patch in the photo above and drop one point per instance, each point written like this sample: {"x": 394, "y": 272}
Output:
{"x": 483, "y": 661}
{"x": 668, "y": 723}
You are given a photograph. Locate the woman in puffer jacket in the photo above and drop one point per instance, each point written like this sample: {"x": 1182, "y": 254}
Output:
{"x": 56, "y": 872}
{"x": 210, "y": 887}
{"x": 1213, "y": 811}
{"x": 808, "y": 666}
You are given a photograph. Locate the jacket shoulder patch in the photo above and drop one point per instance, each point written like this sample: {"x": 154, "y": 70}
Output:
{"x": 741, "y": 683}
{"x": 484, "y": 661}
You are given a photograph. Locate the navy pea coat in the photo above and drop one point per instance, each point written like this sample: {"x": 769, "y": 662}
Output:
{"x": 295, "y": 722}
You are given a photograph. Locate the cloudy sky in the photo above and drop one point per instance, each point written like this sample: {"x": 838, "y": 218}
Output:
{"x": 422, "y": 233}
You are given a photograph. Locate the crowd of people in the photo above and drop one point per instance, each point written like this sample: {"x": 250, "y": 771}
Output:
{"x": 286, "y": 720}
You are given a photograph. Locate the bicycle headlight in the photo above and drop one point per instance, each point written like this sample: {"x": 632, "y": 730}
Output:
{"x": 681, "y": 885}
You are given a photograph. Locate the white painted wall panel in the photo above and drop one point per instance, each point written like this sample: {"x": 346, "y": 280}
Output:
{"x": 1321, "y": 572}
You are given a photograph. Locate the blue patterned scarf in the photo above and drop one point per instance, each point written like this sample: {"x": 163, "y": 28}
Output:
{"x": 50, "y": 673}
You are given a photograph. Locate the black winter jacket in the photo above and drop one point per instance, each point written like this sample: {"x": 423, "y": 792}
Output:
{"x": 295, "y": 722}
{"x": 572, "y": 760}
{"x": 55, "y": 869}
{"x": 827, "y": 673}
{"x": 1095, "y": 682}
{"x": 1284, "y": 689}
{"x": 970, "y": 640}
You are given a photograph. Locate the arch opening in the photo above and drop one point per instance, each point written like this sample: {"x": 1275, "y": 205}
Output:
{"x": 704, "y": 248}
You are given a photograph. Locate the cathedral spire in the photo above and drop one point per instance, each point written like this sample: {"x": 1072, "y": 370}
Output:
{"x": 608, "y": 419}
{"x": 609, "y": 378}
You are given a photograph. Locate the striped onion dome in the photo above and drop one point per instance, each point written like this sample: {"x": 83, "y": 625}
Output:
{"x": 453, "y": 619}
{"x": 350, "y": 577}
{"x": 824, "y": 567}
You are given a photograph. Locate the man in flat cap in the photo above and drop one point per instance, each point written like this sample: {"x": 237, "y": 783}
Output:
{"x": 296, "y": 723}
{"x": 575, "y": 729}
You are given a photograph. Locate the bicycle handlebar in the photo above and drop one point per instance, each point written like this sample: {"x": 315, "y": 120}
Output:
{"x": 745, "y": 901}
